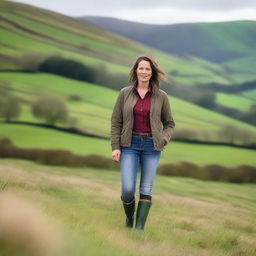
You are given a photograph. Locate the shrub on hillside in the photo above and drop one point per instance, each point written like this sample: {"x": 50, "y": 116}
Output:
{"x": 250, "y": 116}
{"x": 51, "y": 108}
{"x": 75, "y": 97}
{"x": 111, "y": 80}
{"x": 30, "y": 62}
{"x": 9, "y": 108}
{"x": 186, "y": 134}
{"x": 216, "y": 172}
{"x": 68, "y": 68}
{"x": 206, "y": 98}
{"x": 54, "y": 156}
{"x": 183, "y": 169}
{"x": 234, "y": 135}
{"x": 239, "y": 174}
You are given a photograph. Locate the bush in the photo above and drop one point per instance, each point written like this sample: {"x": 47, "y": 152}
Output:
{"x": 68, "y": 68}
{"x": 239, "y": 174}
{"x": 75, "y": 97}
{"x": 30, "y": 62}
{"x": 186, "y": 134}
{"x": 9, "y": 108}
{"x": 250, "y": 116}
{"x": 54, "y": 156}
{"x": 216, "y": 172}
{"x": 234, "y": 135}
{"x": 183, "y": 169}
{"x": 52, "y": 109}
{"x": 206, "y": 98}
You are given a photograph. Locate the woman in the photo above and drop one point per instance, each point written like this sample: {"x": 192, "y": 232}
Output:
{"x": 141, "y": 125}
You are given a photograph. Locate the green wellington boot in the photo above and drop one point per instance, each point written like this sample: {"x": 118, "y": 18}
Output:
{"x": 142, "y": 213}
{"x": 129, "y": 209}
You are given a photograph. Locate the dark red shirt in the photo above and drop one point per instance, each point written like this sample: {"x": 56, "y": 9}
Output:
{"x": 141, "y": 112}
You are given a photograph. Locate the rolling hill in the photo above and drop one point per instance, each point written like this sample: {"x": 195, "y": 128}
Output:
{"x": 30, "y": 34}
{"x": 230, "y": 44}
{"x": 92, "y": 114}
{"x": 99, "y": 101}
{"x": 227, "y": 43}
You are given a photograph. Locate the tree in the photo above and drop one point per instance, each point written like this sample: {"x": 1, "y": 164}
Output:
{"x": 68, "y": 68}
{"x": 51, "y": 108}
{"x": 206, "y": 98}
{"x": 250, "y": 116}
{"x": 9, "y": 108}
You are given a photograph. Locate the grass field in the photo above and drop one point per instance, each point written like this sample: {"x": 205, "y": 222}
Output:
{"x": 251, "y": 94}
{"x": 188, "y": 217}
{"x": 97, "y": 103}
{"x": 31, "y": 137}
{"x": 238, "y": 101}
{"x": 29, "y": 34}
{"x": 93, "y": 114}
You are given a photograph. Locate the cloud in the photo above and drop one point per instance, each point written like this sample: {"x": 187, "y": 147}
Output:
{"x": 171, "y": 15}
{"x": 152, "y": 11}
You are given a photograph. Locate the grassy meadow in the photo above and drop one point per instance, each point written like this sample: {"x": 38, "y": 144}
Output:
{"x": 92, "y": 114}
{"x": 35, "y": 137}
{"x": 77, "y": 211}
{"x": 100, "y": 100}
{"x": 188, "y": 216}
{"x": 238, "y": 101}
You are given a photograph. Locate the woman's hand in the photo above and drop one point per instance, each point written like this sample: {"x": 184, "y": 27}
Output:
{"x": 116, "y": 155}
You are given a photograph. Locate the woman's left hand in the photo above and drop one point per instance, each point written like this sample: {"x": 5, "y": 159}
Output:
{"x": 116, "y": 155}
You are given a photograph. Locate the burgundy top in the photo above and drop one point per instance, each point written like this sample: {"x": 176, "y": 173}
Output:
{"x": 141, "y": 112}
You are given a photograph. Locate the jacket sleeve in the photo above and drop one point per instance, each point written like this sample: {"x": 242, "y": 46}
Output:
{"x": 167, "y": 119}
{"x": 117, "y": 122}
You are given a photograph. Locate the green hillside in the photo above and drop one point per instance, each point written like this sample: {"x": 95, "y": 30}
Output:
{"x": 237, "y": 101}
{"x": 231, "y": 44}
{"x": 29, "y": 34}
{"x": 251, "y": 94}
{"x": 97, "y": 102}
{"x": 93, "y": 112}
{"x": 83, "y": 211}
{"x": 34, "y": 137}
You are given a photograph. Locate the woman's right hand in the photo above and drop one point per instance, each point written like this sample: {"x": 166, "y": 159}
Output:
{"x": 116, "y": 155}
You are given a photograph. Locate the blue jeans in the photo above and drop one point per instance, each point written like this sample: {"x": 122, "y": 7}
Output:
{"x": 140, "y": 152}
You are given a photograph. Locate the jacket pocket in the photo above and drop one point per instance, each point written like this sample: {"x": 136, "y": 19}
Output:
{"x": 164, "y": 139}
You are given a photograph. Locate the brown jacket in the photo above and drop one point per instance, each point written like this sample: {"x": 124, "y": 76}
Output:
{"x": 161, "y": 120}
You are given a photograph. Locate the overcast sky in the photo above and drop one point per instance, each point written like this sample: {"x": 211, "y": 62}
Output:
{"x": 155, "y": 11}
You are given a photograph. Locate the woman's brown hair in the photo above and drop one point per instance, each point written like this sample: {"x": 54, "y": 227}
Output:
{"x": 157, "y": 73}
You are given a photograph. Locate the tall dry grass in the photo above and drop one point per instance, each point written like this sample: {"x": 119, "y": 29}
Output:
{"x": 25, "y": 231}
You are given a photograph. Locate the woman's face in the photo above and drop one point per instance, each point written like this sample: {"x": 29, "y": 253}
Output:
{"x": 144, "y": 71}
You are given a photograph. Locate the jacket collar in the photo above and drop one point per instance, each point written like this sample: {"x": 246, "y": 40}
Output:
{"x": 134, "y": 88}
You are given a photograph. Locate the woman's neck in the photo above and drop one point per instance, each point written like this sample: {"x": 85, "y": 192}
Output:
{"x": 143, "y": 85}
